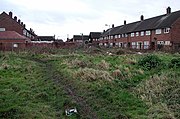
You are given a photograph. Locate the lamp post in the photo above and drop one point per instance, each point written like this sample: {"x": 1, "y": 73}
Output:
{"x": 82, "y": 39}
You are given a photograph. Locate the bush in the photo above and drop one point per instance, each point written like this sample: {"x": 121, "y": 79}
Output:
{"x": 175, "y": 62}
{"x": 150, "y": 61}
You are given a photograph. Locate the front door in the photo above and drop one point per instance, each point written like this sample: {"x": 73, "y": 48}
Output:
{"x": 153, "y": 45}
{"x": 1, "y": 47}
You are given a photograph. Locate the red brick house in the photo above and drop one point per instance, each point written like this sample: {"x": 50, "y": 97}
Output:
{"x": 153, "y": 33}
{"x": 11, "y": 40}
{"x": 80, "y": 39}
{"x": 94, "y": 36}
{"x": 8, "y": 23}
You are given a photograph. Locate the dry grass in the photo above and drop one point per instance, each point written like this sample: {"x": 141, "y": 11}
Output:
{"x": 117, "y": 74}
{"x": 161, "y": 94}
{"x": 140, "y": 71}
{"x": 103, "y": 65}
{"x": 160, "y": 111}
{"x": 89, "y": 74}
{"x": 130, "y": 61}
{"x": 77, "y": 63}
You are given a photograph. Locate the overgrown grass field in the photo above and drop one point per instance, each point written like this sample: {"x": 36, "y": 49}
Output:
{"x": 100, "y": 85}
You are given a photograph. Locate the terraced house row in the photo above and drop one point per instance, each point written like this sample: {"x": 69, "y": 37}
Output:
{"x": 153, "y": 33}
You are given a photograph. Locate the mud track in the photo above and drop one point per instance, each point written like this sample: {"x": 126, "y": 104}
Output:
{"x": 84, "y": 109}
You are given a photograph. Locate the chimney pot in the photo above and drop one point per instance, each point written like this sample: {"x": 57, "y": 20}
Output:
{"x": 168, "y": 10}
{"x": 15, "y": 18}
{"x": 19, "y": 21}
{"x": 10, "y": 14}
{"x": 112, "y": 25}
{"x": 142, "y": 17}
{"x": 22, "y": 23}
{"x": 124, "y": 22}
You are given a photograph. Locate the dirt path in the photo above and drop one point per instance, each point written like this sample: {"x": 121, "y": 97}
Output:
{"x": 85, "y": 110}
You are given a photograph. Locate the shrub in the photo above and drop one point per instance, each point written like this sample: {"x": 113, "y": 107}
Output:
{"x": 175, "y": 62}
{"x": 150, "y": 61}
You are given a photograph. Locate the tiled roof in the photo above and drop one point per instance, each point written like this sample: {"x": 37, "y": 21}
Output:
{"x": 11, "y": 35}
{"x": 80, "y": 37}
{"x": 162, "y": 21}
{"x": 95, "y": 35}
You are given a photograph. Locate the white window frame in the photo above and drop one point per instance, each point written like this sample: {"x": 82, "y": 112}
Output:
{"x": 122, "y": 35}
{"x": 126, "y": 35}
{"x": 137, "y": 33}
{"x": 138, "y": 44}
{"x": 111, "y": 44}
{"x": 146, "y": 44}
{"x": 148, "y": 33}
{"x": 2, "y": 29}
{"x": 167, "y": 43}
{"x": 116, "y": 43}
{"x": 166, "y": 30}
{"x": 132, "y": 34}
{"x": 160, "y": 42}
{"x": 120, "y": 44}
{"x": 142, "y": 33}
{"x": 133, "y": 44}
{"x": 158, "y": 31}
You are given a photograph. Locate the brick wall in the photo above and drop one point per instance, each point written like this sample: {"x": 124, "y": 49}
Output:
{"x": 10, "y": 24}
{"x": 176, "y": 31}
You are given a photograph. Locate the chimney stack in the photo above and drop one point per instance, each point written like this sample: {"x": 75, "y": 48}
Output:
{"x": 24, "y": 25}
{"x": 124, "y": 22}
{"x": 15, "y": 18}
{"x": 142, "y": 18}
{"x": 10, "y": 14}
{"x": 112, "y": 25}
{"x": 104, "y": 30}
{"x": 168, "y": 10}
{"x": 19, "y": 21}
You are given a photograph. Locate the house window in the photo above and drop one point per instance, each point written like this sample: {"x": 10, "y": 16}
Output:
{"x": 126, "y": 35}
{"x": 111, "y": 44}
{"x": 111, "y": 37}
{"x": 158, "y": 31}
{"x": 139, "y": 45}
{"x": 167, "y": 43}
{"x": 122, "y": 35}
{"x": 132, "y": 34}
{"x": 166, "y": 30}
{"x": 148, "y": 33}
{"x": 105, "y": 44}
{"x": 142, "y": 33}
{"x": 133, "y": 45}
{"x": 2, "y": 29}
{"x": 146, "y": 44}
{"x": 160, "y": 42}
{"x": 120, "y": 44}
{"x": 125, "y": 45}
{"x": 15, "y": 45}
{"x": 137, "y": 33}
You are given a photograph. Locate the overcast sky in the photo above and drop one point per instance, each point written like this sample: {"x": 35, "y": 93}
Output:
{"x": 65, "y": 18}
